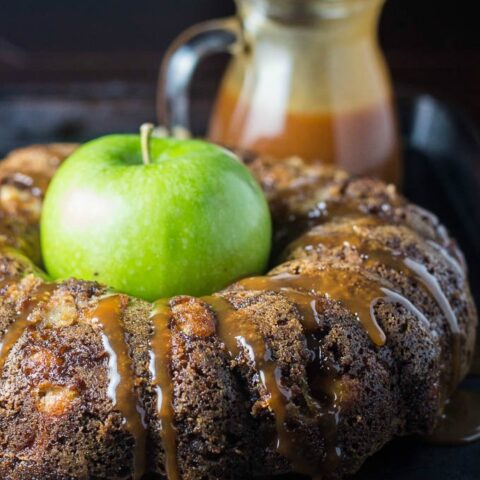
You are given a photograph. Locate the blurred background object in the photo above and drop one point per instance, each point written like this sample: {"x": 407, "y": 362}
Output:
{"x": 433, "y": 46}
{"x": 306, "y": 78}
{"x": 60, "y": 52}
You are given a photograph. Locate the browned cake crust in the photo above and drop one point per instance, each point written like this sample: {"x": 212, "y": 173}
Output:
{"x": 358, "y": 334}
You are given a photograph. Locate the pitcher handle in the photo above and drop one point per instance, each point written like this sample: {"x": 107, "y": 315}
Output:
{"x": 180, "y": 61}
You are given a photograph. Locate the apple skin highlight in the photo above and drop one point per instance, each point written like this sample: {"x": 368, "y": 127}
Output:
{"x": 190, "y": 222}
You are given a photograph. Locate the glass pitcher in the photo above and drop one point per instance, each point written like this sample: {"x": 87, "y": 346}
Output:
{"x": 306, "y": 78}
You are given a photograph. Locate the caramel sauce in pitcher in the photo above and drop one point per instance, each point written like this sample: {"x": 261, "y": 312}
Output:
{"x": 361, "y": 140}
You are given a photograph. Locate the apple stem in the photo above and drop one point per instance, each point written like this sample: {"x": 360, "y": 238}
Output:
{"x": 145, "y": 134}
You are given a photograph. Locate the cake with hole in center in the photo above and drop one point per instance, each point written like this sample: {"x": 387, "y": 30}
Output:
{"x": 359, "y": 333}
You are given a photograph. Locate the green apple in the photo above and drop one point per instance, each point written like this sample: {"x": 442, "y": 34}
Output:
{"x": 155, "y": 217}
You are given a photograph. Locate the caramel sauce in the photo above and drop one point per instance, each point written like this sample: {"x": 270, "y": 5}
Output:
{"x": 161, "y": 344}
{"x": 358, "y": 293}
{"x": 434, "y": 288}
{"x": 355, "y": 290}
{"x": 436, "y": 291}
{"x": 121, "y": 388}
{"x": 359, "y": 140}
{"x": 322, "y": 375}
{"x": 460, "y": 423}
{"x": 239, "y": 333}
{"x": 373, "y": 252}
{"x": 23, "y": 320}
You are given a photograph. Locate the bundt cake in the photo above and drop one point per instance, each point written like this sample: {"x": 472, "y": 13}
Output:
{"x": 360, "y": 333}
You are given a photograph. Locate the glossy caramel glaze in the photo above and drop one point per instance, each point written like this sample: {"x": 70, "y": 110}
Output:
{"x": 374, "y": 251}
{"x": 356, "y": 291}
{"x": 24, "y": 320}
{"x": 238, "y": 333}
{"x": 121, "y": 389}
{"x": 161, "y": 344}
{"x": 340, "y": 138}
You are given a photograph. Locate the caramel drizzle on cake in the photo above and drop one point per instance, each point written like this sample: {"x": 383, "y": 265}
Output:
{"x": 160, "y": 359}
{"x": 24, "y": 319}
{"x": 454, "y": 264}
{"x": 236, "y": 332}
{"x": 358, "y": 292}
{"x": 239, "y": 334}
{"x": 121, "y": 388}
{"x": 350, "y": 289}
{"x": 376, "y": 252}
{"x": 353, "y": 289}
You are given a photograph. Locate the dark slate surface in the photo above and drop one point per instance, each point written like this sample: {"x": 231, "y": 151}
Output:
{"x": 442, "y": 157}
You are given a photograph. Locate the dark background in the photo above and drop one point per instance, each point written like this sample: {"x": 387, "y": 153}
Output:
{"x": 431, "y": 46}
